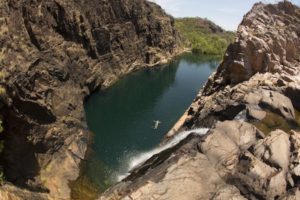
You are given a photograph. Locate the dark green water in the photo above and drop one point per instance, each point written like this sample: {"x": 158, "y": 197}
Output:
{"x": 122, "y": 117}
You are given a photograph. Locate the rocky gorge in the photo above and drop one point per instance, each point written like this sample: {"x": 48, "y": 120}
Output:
{"x": 53, "y": 55}
{"x": 251, "y": 107}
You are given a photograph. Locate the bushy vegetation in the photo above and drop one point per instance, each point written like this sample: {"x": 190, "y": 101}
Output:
{"x": 203, "y": 36}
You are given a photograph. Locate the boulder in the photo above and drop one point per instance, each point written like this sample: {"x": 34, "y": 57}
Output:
{"x": 271, "y": 100}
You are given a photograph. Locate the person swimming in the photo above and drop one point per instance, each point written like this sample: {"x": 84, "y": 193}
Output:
{"x": 156, "y": 124}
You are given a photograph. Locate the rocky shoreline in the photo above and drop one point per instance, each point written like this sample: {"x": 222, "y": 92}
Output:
{"x": 251, "y": 105}
{"x": 54, "y": 55}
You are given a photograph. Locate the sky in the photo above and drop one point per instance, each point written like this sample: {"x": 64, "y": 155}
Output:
{"x": 225, "y": 13}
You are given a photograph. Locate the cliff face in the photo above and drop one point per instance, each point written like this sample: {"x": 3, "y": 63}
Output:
{"x": 251, "y": 105}
{"x": 265, "y": 52}
{"x": 53, "y": 54}
{"x": 268, "y": 41}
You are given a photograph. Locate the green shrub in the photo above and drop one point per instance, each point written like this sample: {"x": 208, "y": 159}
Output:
{"x": 203, "y": 36}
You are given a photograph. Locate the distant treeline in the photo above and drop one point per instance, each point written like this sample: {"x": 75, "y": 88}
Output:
{"x": 203, "y": 36}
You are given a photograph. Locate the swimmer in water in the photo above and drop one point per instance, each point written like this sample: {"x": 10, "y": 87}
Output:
{"x": 156, "y": 124}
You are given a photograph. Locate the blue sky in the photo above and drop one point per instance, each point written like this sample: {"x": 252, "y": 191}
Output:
{"x": 226, "y": 13}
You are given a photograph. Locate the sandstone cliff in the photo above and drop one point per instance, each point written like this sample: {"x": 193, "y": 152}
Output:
{"x": 53, "y": 54}
{"x": 251, "y": 105}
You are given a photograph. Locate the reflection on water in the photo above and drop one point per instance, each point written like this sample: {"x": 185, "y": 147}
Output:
{"x": 122, "y": 116}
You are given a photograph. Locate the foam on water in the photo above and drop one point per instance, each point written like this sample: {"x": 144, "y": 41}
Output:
{"x": 140, "y": 158}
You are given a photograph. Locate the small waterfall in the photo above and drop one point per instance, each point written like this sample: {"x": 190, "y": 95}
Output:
{"x": 140, "y": 158}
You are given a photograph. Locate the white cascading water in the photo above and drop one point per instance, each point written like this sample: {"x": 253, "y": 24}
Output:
{"x": 140, "y": 158}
